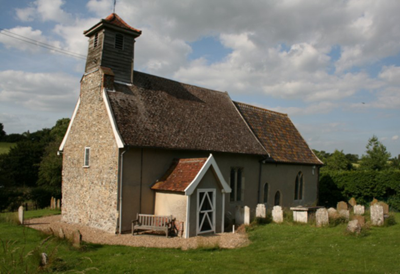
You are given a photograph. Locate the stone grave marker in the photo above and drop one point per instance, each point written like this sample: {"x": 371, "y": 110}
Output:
{"x": 261, "y": 211}
{"x": 77, "y": 239}
{"x": 377, "y": 215}
{"x": 58, "y": 203}
{"x": 360, "y": 219}
{"x": 344, "y": 213}
{"x": 43, "y": 261}
{"x": 332, "y": 212}
{"x": 359, "y": 209}
{"x": 341, "y": 206}
{"x": 61, "y": 233}
{"x": 322, "y": 217}
{"x": 352, "y": 202}
{"x": 374, "y": 201}
{"x": 277, "y": 214}
{"x": 246, "y": 215}
{"x": 385, "y": 207}
{"x": 21, "y": 215}
{"x": 354, "y": 226}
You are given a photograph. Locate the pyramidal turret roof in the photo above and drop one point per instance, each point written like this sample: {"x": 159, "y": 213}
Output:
{"x": 114, "y": 20}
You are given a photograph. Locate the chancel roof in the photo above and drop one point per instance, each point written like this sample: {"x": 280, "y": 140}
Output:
{"x": 278, "y": 135}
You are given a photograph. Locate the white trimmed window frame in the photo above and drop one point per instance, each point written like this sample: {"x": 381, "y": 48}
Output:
{"x": 86, "y": 157}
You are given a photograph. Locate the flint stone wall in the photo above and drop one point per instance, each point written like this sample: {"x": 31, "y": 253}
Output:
{"x": 90, "y": 193}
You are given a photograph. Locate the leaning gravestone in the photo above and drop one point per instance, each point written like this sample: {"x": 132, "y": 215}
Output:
{"x": 21, "y": 215}
{"x": 385, "y": 207}
{"x": 352, "y": 202}
{"x": 359, "y": 209}
{"x": 345, "y": 214}
{"x": 76, "y": 239}
{"x": 377, "y": 215}
{"x": 332, "y": 212}
{"x": 246, "y": 215}
{"x": 354, "y": 226}
{"x": 261, "y": 211}
{"x": 341, "y": 206}
{"x": 360, "y": 219}
{"x": 277, "y": 214}
{"x": 374, "y": 201}
{"x": 322, "y": 217}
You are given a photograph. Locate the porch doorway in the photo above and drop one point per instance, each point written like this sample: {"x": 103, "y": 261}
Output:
{"x": 205, "y": 210}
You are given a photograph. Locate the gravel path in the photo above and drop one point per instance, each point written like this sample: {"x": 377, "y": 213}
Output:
{"x": 53, "y": 224}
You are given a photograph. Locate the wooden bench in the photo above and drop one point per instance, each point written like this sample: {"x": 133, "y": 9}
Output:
{"x": 152, "y": 222}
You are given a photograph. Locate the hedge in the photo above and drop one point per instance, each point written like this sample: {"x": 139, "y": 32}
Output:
{"x": 364, "y": 186}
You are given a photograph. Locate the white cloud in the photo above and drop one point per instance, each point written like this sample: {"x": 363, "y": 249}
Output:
{"x": 320, "y": 108}
{"x": 21, "y": 32}
{"x": 396, "y": 137}
{"x": 45, "y": 10}
{"x": 100, "y": 7}
{"x": 39, "y": 91}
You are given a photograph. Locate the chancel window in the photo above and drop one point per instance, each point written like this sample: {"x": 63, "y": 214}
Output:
{"x": 277, "y": 200}
{"x": 298, "y": 188}
{"x": 236, "y": 184}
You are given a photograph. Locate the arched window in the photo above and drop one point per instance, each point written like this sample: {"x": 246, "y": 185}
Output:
{"x": 277, "y": 198}
{"x": 266, "y": 193}
{"x": 298, "y": 188}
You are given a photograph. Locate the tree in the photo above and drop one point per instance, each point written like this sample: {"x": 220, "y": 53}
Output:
{"x": 2, "y": 132}
{"x": 377, "y": 157}
{"x": 338, "y": 161}
{"x": 51, "y": 164}
{"x": 322, "y": 155}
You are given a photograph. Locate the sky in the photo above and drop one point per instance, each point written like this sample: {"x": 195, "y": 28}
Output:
{"x": 332, "y": 65}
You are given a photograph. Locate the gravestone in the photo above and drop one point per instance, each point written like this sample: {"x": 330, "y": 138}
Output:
{"x": 43, "y": 261}
{"x": 354, "y": 226}
{"x": 322, "y": 217}
{"x": 261, "y": 211}
{"x": 385, "y": 207}
{"x": 359, "y": 209}
{"x": 360, "y": 219}
{"x": 374, "y": 201}
{"x": 246, "y": 215}
{"x": 77, "y": 239}
{"x": 377, "y": 216}
{"x": 332, "y": 212}
{"x": 58, "y": 203}
{"x": 341, "y": 206}
{"x": 21, "y": 215}
{"x": 345, "y": 214}
{"x": 239, "y": 216}
{"x": 352, "y": 202}
{"x": 277, "y": 214}
{"x": 61, "y": 233}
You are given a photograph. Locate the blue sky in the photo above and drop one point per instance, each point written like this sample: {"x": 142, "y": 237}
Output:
{"x": 333, "y": 66}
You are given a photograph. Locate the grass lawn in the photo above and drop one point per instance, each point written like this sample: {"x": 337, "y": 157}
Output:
{"x": 275, "y": 248}
{"x": 5, "y": 147}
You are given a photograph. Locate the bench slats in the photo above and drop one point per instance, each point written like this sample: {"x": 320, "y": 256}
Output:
{"x": 152, "y": 222}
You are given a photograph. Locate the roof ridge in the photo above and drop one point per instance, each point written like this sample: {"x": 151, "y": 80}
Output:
{"x": 114, "y": 17}
{"x": 176, "y": 81}
{"x": 260, "y": 108}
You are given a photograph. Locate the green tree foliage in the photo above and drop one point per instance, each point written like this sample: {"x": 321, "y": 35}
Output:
{"x": 337, "y": 161}
{"x": 51, "y": 164}
{"x": 395, "y": 163}
{"x": 322, "y": 155}
{"x": 377, "y": 157}
{"x": 2, "y": 132}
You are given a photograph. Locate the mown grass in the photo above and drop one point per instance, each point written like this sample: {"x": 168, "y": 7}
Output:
{"x": 275, "y": 248}
{"x": 5, "y": 147}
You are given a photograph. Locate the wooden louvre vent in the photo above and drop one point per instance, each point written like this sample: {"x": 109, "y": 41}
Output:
{"x": 119, "y": 41}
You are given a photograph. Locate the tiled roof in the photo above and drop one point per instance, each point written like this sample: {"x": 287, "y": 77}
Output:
{"x": 278, "y": 135}
{"x": 114, "y": 19}
{"x": 181, "y": 173}
{"x": 161, "y": 113}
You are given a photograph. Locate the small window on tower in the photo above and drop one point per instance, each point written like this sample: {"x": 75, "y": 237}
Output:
{"x": 119, "y": 41}
{"x": 96, "y": 39}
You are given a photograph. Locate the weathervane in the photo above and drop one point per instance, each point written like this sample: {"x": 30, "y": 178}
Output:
{"x": 115, "y": 2}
